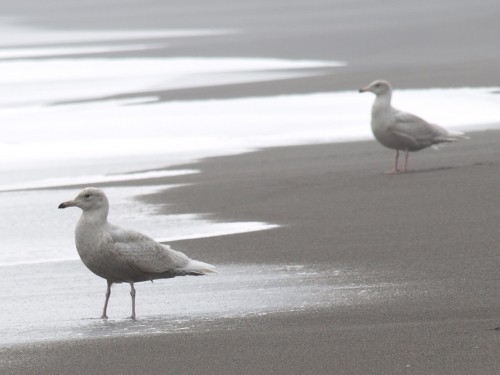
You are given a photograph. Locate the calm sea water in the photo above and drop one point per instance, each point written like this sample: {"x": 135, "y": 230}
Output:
{"x": 46, "y": 144}
{"x": 33, "y": 230}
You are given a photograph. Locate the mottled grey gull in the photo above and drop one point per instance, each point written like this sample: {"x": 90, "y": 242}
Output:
{"x": 401, "y": 130}
{"x": 122, "y": 255}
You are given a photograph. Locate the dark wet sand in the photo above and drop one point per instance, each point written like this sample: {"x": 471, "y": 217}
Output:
{"x": 433, "y": 232}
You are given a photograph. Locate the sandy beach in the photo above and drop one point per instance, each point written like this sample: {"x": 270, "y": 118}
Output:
{"x": 425, "y": 241}
{"x": 417, "y": 252}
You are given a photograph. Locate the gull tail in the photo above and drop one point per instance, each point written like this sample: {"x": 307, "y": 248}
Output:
{"x": 195, "y": 267}
{"x": 454, "y": 136}
{"x": 451, "y": 136}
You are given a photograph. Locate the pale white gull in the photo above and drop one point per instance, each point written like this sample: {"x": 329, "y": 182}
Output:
{"x": 122, "y": 255}
{"x": 400, "y": 130}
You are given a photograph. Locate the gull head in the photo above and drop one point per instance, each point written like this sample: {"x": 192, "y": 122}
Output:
{"x": 378, "y": 87}
{"x": 89, "y": 199}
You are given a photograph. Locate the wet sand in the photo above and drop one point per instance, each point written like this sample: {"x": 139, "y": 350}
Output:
{"x": 428, "y": 238}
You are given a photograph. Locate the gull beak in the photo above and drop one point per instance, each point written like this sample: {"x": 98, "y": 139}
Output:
{"x": 363, "y": 89}
{"x": 67, "y": 204}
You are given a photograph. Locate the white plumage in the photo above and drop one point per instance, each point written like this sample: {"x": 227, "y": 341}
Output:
{"x": 401, "y": 130}
{"x": 122, "y": 255}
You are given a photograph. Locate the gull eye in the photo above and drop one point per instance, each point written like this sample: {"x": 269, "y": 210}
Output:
{"x": 87, "y": 195}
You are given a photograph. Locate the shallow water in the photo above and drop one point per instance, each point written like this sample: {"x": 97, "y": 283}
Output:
{"x": 63, "y": 300}
{"x": 96, "y": 132}
{"x": 33, "y": 230}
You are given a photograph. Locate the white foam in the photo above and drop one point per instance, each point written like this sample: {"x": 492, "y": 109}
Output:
{"x": 18, "y": 53}
{"x": 36, "y": 136}
{"x": 164, "y": 70}
{"x": 26, "y": 85}
{"x": 29, "y": 36}
{"x": 222, "y": 230}
{"x": 51, "y": 231}
{"x": 203, "y": 128}
{"x": 88, "y": 180}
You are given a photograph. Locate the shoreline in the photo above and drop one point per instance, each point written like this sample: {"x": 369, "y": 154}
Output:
{"x": 408, "y": 264}
{"x": 437, "y": 265}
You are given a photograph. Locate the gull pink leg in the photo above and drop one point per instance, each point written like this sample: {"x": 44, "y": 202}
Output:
{"x": 407, "y": 154}
{"x": 108, "y": 293}
{"x": 395, "y": 169}
{"x": 132, "y": 294}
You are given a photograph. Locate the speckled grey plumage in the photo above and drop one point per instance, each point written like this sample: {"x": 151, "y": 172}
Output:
{"x": 400, "y": 130}
{"x": 122, "y": 255}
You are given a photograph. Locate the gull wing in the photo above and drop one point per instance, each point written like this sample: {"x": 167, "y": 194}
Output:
{"x": 144, "y": 254}
{"x": 416, "y": 129}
